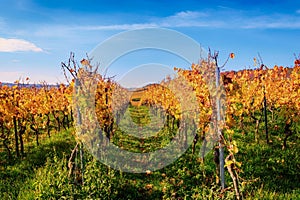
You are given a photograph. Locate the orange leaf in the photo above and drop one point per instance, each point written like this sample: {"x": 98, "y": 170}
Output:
{"x": 232, "y": 55}
{"x": 84, "y": 62}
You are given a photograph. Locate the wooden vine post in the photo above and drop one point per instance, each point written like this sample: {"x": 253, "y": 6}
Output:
{"x": 221, "y": 142}
{"x": 217, "y": 125}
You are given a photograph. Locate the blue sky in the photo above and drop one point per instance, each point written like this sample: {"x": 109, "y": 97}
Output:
{"x": 36, "y": 36}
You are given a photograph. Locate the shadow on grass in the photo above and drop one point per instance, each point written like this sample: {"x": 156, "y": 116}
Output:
{"x": 14, "y": 174}
{"x": 276, "y": 169}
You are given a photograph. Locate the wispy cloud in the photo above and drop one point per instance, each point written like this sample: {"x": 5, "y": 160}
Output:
{"x": 276, "y": 21}
{"x": 189, "y": 19}
{"x": 180, "y": 19}
{"x": 116, "y": 27}
{"x": 188, "y": 15}
{"x": 230, "y": 18}
{"x": 224, "y": 18}
{"x": 14, "y": 45}
{"x": 227, "y": 18}
{"x": 11, "y": 76}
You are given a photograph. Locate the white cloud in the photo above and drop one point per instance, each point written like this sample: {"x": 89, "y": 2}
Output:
{"x": 189, "y": 15}
{"x": 13, "y": 45}
{"x": 213, "y": 18}
{"x": 232, "y": 19}
{"x": 272, "y": 25}
{"x": 116, "y": 27}
{"x": 229, "y": 18}
{"x": 282, "y": 21}
{"x": 189, "y": 19}
{"x": 180, "y": 19}
{"x": 11, "y": 77}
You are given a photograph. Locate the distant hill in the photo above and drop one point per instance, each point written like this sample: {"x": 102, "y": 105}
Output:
{"x": 28, "y": 85}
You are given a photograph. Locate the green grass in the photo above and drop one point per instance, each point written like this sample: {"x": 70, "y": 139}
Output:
{"x": 16, "y": 173}
{"x": 138, "y": 132}
{"x": 268, "y": 172}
